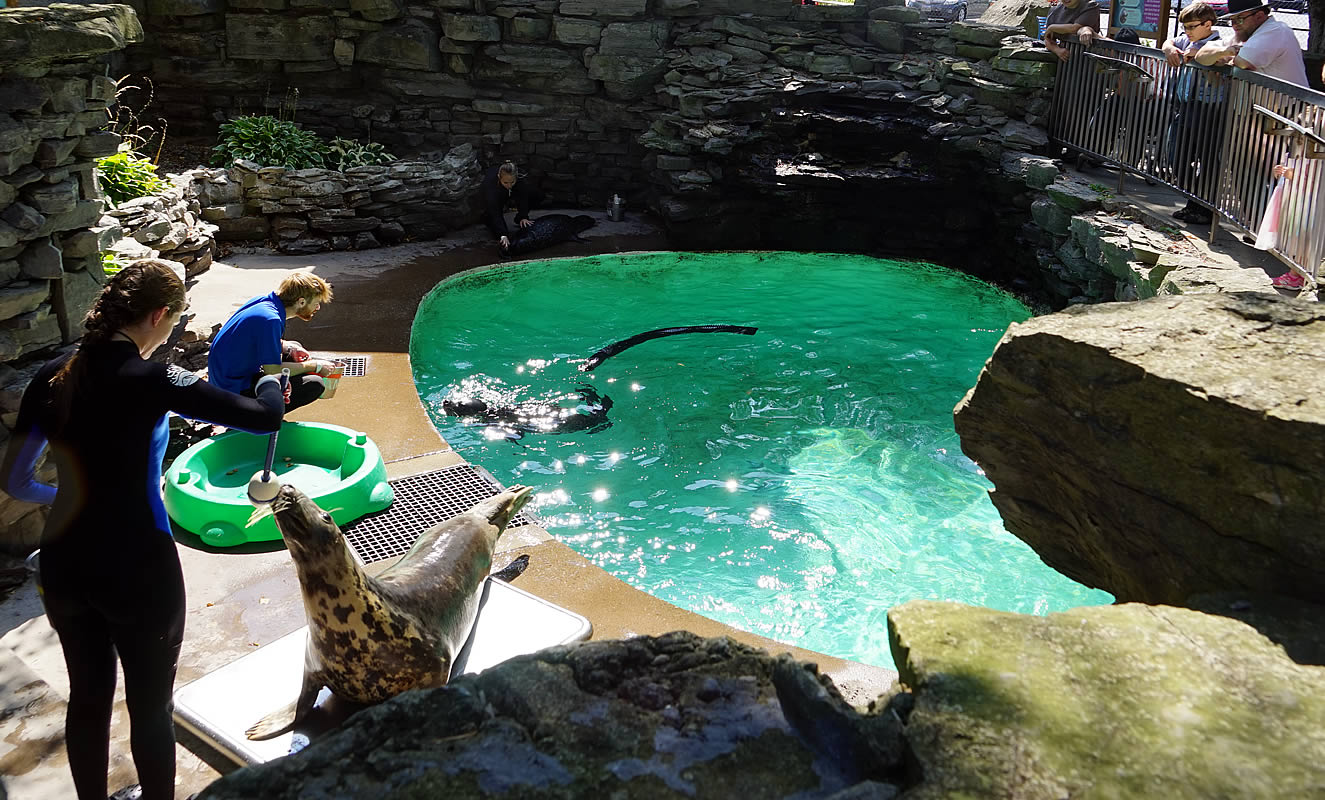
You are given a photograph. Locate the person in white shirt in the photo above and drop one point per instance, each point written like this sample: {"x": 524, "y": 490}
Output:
{"x": 1260, "y": 43}
{"x": 1198, "y": 108}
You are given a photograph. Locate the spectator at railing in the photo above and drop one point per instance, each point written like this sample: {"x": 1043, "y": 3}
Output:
{"x": 1292, "y": 207}
{"x": 1199, "y": 106}
{"x": 1080, "y": 18}
{"x": 1261, "y": 43}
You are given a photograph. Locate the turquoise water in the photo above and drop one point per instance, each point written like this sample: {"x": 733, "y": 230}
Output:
{"x": 796, "y": 483}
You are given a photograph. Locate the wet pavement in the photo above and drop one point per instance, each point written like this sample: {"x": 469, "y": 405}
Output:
{"x": 245, "y": 597}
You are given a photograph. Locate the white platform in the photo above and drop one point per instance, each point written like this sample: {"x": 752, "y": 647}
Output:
{"x": 221, "y": 705}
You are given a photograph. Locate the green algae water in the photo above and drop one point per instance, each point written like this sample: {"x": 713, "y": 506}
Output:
{"x": 796, "y": 483}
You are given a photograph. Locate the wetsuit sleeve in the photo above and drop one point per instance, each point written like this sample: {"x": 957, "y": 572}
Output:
{"x": 25, "y": 447}
{"x": 189, "y": 396}
{"x": 492, "y": 205}
{"x": 522, "y": 200}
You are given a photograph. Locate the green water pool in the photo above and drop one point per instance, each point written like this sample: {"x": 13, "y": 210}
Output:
{"x": 796, "y": 483}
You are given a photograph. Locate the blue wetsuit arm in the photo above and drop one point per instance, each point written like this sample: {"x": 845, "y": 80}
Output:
{"x": 190, "y": 396}
{"x": 25, "y": 448}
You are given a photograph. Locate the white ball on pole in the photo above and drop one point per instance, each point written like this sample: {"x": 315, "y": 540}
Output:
{"x": 260, "y": 491}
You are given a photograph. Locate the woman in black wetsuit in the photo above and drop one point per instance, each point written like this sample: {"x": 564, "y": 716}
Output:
{"x": 110, "y": 576}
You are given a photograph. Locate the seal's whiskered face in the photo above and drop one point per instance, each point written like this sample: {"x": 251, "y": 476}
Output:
{"x": 302, "y": 522}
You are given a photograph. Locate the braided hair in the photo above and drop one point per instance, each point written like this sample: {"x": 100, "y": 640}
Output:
{"x": 129, "y": 296}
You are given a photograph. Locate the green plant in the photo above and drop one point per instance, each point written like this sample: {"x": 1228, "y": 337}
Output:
{"x": 127, "y": 175}
{"x": 270, "y": 142}
{"x": 346, "y": 153}
{"x": 111, "y": 263}
{"x": 125, "y": 118}
{"x": 1102, "y": 190}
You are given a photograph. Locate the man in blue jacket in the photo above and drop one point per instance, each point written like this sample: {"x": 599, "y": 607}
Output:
{"x": 251, "y": 342}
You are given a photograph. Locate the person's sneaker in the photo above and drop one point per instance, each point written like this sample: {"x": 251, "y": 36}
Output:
{"x": 1289, "y": 280}
{"x": 1199, "y": 217}
{"x": 134, "y": 792}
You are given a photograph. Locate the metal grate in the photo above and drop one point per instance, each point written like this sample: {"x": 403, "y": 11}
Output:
{"x": 422, "y": 501}
{"x": 355, "y": 366}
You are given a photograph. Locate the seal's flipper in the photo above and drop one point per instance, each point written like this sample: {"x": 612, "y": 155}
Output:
{"x": 284, "y": 719}
{"x": 513, "y": 570}
{"x": 274, "y": 724}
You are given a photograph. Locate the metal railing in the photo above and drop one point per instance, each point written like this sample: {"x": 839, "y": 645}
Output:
{"x": 1215, "y": 134}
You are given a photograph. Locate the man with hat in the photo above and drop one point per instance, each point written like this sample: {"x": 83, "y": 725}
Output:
{"x": 1265, "y": 45}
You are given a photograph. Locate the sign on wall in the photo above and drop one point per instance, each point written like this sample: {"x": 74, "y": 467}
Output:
{"x": 1149, "y": 18}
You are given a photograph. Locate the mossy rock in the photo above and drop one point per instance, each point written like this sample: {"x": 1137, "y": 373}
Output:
{"x": 1129, "y": 701}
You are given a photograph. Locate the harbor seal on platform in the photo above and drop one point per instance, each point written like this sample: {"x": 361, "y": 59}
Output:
{"x": 372, "y": 638}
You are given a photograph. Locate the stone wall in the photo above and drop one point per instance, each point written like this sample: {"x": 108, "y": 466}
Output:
{"x": 54, "y": 94}
{"x": 314, "y": 210}
{"x": 167, "y": 226}
{"x": 741, "y": 122}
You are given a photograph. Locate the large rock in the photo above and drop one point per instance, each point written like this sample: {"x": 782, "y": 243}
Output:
{"x": 64, "y": 32}
{"x": 22, "y": 297}
{"x": 603, "y": 8}
{"x": 471, "y": 28}
{"x": 262, "y": 36}
{"x": 1019, "y": 13}
{"x": 1124, "y": 701}
{"x": 1163, "y": 448}
{"x": 184, "y": 8}
{"x": 378, "y": 10}
{"x": 409, "y": 46}
{"x": 669, "y": 717}
{"x": 72, "y": 297}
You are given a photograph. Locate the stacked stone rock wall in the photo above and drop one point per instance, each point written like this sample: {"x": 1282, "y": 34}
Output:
{"x": 729, "y": 117}
{"x": 314, "y": 210}
{"x": 166, "y": 226}
{"x": 54, "y": 95}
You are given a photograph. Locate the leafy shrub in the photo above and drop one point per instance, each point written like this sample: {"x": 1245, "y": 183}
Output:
{"x": 270, "y": 142}
{"x": 346, "y": 153}
{"x": 111, "y": 263}
{"x": 127, "y": 175}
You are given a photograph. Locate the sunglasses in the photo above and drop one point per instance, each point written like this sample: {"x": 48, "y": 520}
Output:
{"x": 1241, "y": 18}
{"x": 1190, "y": 25}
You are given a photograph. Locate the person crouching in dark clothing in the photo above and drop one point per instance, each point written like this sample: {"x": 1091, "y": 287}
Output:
{"x": 502, "y": 189}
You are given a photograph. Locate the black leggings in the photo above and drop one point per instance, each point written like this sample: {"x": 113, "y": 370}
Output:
{"x": 99, "y": 609}
{"x": 304, "y": 389}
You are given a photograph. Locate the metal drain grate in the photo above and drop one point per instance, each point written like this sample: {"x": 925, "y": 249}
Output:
{"x": 421, "y": 502}
{"x": 355, "y": 366}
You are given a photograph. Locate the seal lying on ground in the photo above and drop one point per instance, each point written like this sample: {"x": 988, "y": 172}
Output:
{"x": 473, "y": 400}
{"x": 372, "y": 638}
{"x": 546, "y": 231}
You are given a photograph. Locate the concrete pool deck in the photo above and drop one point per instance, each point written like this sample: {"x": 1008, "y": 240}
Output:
{"x": 242, "y": 598}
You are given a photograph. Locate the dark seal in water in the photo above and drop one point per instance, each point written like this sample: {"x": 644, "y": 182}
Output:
{"x": 546, "y": 231}
{"x": 369, "y": 638}
{"x": 580, "y": 410}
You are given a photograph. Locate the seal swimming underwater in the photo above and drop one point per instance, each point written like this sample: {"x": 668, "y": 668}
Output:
{"x": 369, "y": 638}
{"x": 546, "y": 231}
{"x": 475, "y": 401}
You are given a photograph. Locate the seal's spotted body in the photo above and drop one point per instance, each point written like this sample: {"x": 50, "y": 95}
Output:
{"x": 373, "y": 638}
